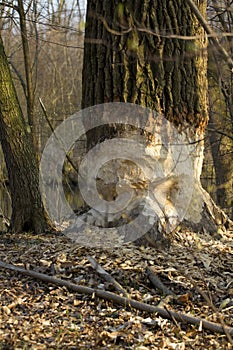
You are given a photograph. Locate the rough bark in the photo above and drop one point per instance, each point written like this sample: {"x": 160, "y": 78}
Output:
{"x": 27, "y": 209}
{"x": 165, "y": 74}
{"x": 131, "y": 56}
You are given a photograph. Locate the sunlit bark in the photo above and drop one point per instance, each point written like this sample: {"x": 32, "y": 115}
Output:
{"x": 27, "y": 208}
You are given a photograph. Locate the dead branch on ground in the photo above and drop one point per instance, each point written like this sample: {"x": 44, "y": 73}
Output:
{"x": 125, "y": 302}
{"x": 106, "y": 276}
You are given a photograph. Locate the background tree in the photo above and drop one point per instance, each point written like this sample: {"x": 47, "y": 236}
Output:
{"x": 219, "y": 150}
{"x": 54, "y": 36}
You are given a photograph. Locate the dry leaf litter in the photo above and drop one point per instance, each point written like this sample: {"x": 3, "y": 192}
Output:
{"x": 37, "y": 315}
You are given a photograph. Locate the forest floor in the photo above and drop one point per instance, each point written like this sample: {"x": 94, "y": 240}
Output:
{"x": 34, "y": 314}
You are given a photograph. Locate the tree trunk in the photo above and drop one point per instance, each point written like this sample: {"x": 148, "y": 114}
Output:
{"x": 28, "y": 70}
{"x": 27, "y": 209}
{"x": 223, "y": 164}
{"x": 133, "y": 53}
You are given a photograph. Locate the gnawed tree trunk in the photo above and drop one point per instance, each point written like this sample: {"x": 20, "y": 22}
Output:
{"x": 27, "y": 209}
{"x": 133, "y": 53}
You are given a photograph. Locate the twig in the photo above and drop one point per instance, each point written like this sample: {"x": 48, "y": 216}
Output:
{"x": 157, "y": 283}
{"x": 156, "y": 33}
{"x": 213, "y": 35}
{"x": 105, "y": 275}
{"x": 54, "y": 132}
{"x": 207, "y": 298}
{"x": 126, "y": 302}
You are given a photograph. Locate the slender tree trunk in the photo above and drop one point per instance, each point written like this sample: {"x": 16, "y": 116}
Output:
{"x": 223, "y": 165}
{"x": 131, "y": 56}
{"x": 28, "y": 71}
{"x": 27, "y": 209}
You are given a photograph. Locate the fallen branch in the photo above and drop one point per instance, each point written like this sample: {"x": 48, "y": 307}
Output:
{"x": 105, "y": 275}
{"x": 126, "y": 302}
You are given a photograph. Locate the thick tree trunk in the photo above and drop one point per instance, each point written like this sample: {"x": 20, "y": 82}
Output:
{"x": 27, "y": 209}
{"x": 165, "y": 74}
{"x": 133, "y": 53}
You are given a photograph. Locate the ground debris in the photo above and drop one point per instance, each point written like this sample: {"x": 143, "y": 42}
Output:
{"x": 36, "y": 315}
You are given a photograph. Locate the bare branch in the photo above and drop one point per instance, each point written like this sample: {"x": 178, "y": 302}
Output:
{"x": 54, "y": 132}
{"x": 213, "y": 35}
